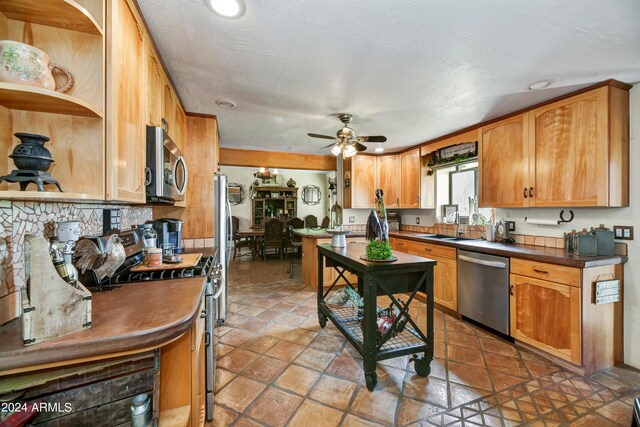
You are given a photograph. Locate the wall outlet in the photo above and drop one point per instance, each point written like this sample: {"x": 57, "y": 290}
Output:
{"x": 511, "y": 225}
{"x": 623, "y": 232}
{"x": 417, "y": 220}
{"x": 352, "y": 219}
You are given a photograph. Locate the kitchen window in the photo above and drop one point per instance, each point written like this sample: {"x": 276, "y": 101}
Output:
{"x": 458, "y": 185}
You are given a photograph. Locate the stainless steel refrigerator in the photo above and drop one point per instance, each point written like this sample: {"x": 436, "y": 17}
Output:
{"x": 223, "y": 239}
{"x": 216, "y": 292}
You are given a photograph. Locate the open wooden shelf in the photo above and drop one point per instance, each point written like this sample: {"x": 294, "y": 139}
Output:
{"x": 22, "y": 97}
{"x": 50, "y": 196}
{"x": 55, "y": 13}
{"x": 177, "y": 417}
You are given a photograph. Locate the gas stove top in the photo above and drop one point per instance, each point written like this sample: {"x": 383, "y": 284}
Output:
{"x": 203, "y": 268}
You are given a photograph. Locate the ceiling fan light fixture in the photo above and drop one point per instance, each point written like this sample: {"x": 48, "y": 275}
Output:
{"x": 230, "y": 9}
{"x": 350, "y": 151}
{"x": 379, "y": 150}
{"x": 336, "y": 149}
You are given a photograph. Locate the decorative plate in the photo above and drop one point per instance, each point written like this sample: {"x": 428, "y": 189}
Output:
{"x": 392, "y": 259}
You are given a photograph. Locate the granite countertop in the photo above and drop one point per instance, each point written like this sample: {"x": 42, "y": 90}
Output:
{"x": 528, "y": 252}
{"x": 133, "y": 318}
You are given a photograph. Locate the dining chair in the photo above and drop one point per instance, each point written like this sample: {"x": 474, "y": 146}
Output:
{"x": 325, "y": 222}
{"x": 310, "y": 221}
{"x": 239, "y": 242}
{"x": 295, "y": 243}
{"x": 296, "y": 223}
{"x": 273, "y": 237}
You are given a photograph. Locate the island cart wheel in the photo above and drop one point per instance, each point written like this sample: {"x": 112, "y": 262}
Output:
{"x": 372, "y": 380}
{"x": 421, "y": 365}
{"x": 322, "y": 319}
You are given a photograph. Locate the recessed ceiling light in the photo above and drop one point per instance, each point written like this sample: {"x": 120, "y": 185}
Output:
{"x": 225, "y": 103}
{"x": 227, "y": 8}
{"x": 379, "y": 150}
{"x": 539, "y": 85}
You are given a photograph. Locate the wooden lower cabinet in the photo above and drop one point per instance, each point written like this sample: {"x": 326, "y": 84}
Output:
{"x": 445, "y": 283}
{"x": 445, "y": 272}
{"x": 182, "y": 378}
{"x": 310, "y": 263}
{"x": 546, "y": 315}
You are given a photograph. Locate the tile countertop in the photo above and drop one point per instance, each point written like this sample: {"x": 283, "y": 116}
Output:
{"x": 528, "y": 252}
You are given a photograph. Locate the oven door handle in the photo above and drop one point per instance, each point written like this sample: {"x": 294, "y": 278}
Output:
{"x": 219, "y": 292}
{"x": 494, "y": 264}
{"x": 182, "y": 190}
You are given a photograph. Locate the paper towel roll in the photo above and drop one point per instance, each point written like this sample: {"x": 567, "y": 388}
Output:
{"x": 542, "y": 221}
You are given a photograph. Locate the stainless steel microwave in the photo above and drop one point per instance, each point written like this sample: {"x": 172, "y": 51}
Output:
{"x": 166, "y": 174}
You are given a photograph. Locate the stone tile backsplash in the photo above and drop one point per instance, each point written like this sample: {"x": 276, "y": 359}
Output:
{"x": 20, "y": 218}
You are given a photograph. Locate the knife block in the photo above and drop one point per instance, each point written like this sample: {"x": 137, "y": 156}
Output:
{"x": 51, "y": 307}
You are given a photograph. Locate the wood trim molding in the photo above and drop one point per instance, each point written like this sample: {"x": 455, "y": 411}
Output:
{"x": 276, "y": 159}
{"x": 201, "y": 115}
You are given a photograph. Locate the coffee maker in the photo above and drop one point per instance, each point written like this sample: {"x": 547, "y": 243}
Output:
{"x": 169, "y": 230}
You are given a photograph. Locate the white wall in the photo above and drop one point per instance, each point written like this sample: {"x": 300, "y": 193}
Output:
{"x": 244, "y": 176}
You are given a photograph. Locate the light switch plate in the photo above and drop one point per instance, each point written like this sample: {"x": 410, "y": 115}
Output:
{"x": 623, "y": 232}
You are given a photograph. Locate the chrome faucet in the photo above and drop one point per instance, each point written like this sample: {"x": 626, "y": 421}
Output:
{"x": 457, "y": 222}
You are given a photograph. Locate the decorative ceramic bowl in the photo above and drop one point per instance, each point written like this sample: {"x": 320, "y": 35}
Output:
{"x": 24, "y": 64}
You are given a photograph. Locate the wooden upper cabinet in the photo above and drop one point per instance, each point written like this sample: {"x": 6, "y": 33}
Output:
{"x": 361, "y": 191}
{"x": 155, "y": 90}
{"x": 503, "y": 166}
{"x": 169, "y": 107}
{"x": 179, "y": 128}
{"x": 388, "y": 172}
{"x": 579, "y": 155}
{"x": 410, "y": 179}
{"x": 126, "y": 71}
{"x": 572, "y": 152}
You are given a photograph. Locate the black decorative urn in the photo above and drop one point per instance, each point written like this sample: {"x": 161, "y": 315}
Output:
{"x": 33, "y": 161}
{"x": 31, "y": 153}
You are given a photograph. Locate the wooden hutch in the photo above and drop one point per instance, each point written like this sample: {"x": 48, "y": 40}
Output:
{"x": 271, "y": 201}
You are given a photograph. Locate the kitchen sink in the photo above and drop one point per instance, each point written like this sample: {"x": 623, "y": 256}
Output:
{"x": 444, "y": 237}
{"x": 436, "y": 236}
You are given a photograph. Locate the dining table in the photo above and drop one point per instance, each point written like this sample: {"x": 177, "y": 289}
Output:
{"x": 255, "y": 236}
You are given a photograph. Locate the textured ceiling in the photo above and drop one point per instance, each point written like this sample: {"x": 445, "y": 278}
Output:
{"x": 412, "y": 70}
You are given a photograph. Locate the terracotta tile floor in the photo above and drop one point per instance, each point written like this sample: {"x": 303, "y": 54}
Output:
{"x": 277, "y": 367}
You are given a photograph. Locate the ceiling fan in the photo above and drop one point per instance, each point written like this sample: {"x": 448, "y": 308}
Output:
{"x": 348, "y": 143}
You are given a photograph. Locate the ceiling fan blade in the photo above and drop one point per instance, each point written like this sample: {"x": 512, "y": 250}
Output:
{"x": 315, "y": 135}
{"x": 359, "y": 147}
{"x": 373, "y": 138}
{"x": 327, "y": 146}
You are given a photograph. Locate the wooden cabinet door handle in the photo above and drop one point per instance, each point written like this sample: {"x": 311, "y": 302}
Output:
{"x": 427, "y": 249}
{"x": 530, "y": 191}
{"x": 511, "y": 289}
{"x": 525, "y": 193}
{"x": 540, "y": 271}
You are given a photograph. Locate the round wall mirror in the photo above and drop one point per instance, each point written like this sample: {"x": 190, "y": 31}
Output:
{"x": 311, "y": 195}
{"x": 235, "y": 193}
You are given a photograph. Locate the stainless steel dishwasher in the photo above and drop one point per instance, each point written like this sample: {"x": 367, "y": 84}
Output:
{"x": 483, "y": 289}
